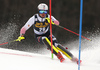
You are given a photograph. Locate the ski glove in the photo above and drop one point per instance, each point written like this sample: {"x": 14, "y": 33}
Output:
{"x": 56, "y": 22}
{"x": 48, "y": 20}
{"x": 20, "y": 38}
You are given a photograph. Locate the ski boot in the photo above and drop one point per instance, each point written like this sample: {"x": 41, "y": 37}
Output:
{"x": 60, "y": 57}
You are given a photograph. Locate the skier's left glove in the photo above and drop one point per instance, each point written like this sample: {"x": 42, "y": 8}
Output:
{"x": 48, "y": 20}
{"x": 55, "y": 22}
{"x": 20, "y": 38}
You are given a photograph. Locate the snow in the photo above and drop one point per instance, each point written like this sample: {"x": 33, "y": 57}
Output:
{"x": 18, "y": 60}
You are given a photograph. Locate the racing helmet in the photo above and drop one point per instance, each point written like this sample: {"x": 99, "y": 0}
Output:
{"x": 42, "y": 6}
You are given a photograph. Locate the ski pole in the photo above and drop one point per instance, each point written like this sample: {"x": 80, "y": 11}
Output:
{"x": 67, "y": 29}
{"x": 19, "y": 39}
{"x": 72, "y": 32}
{"x": 7, "y": 42}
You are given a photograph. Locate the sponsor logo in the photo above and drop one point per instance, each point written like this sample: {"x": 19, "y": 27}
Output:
{"x": 41, "y": 25}
{"x": 44, "y": 7}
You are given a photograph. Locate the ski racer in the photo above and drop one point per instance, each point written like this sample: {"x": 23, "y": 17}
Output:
{"x": 42, "y": 32}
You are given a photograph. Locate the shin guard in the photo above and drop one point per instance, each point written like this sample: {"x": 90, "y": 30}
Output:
{"x": 65, "y": 52}
{"x": 48, "y": 44}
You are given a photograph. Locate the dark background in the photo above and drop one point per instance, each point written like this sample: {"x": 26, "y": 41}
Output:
{"x": 15, "y": 13}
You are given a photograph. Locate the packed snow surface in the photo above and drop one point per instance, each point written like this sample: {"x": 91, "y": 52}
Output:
{"x": 18, "y": 60}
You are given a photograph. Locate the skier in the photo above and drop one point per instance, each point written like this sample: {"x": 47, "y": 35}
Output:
{"x": 42, "y": 32}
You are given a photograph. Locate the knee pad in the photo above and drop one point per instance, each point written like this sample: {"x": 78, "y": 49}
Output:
{"x": 44, "y": 37}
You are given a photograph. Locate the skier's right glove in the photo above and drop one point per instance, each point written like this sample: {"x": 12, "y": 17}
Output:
{"x": 20, "y": 38}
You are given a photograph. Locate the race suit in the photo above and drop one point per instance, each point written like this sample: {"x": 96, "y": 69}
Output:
{"x": 40, "y": 27}
{"x": 42, "y": 33}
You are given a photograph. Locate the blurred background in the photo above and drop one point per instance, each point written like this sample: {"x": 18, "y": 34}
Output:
{"x": 15, "y": 13}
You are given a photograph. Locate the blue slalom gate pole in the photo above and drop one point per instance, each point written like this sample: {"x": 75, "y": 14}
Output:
{"x": 80, "y": 31}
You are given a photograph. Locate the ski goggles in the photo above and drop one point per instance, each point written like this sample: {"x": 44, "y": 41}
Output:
{"x": 42, "y": 11}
